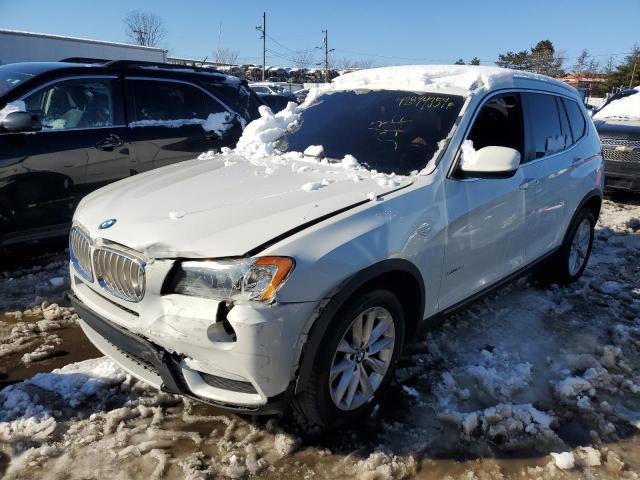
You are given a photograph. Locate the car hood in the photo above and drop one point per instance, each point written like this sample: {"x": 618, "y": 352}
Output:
{"x": 224, "y": 206}
{"x": 621, "y": 129}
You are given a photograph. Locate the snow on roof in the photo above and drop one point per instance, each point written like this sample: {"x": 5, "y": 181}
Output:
{"x": 625, "y": 108}
{"x": 467, "y": 78}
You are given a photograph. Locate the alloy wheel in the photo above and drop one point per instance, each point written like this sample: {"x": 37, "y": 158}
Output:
{"x": 579, "y": 247}
{"x": 362, "y": 358}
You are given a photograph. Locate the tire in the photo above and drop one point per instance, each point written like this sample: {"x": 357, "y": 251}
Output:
{"x": 569, "y": 262}
{"x": 320, "y": 401}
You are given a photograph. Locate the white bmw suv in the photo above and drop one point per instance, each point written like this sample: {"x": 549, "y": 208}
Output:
{"x": 293, "y": 268}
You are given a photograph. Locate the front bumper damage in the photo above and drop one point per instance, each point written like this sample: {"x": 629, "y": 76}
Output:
{"x": 178, "y": 344}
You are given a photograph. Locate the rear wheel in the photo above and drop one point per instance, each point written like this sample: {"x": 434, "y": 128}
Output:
{"x": 567, "y": 265}
{"x": 355, "y": 365}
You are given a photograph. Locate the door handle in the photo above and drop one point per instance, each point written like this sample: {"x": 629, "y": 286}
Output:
{"x": 109, "y": 143}
{"x": 528, "y": 183}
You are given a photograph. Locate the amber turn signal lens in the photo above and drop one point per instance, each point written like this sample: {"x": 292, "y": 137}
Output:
{"x": 283, "y": 265}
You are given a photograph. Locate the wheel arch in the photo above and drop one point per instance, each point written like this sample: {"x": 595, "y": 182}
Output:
{"x": 400, "y": 276}
{"x": 592, "y": 201}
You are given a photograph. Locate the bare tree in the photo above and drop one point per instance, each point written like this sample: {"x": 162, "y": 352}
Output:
{"x": 348, "y": 64}
{"x": 144, "y": 28}
{"x": 227, "y": 56}
{"x": 302, "y": 59}
{"x": 585, "y": 63}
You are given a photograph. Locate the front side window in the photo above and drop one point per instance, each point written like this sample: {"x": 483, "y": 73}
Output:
{"x": 499, "y": 124}
{"x": 161, "y": 102}
{"x": 385, "y": 130}
{"x": 546, "y": 132}
{"x": 72, "y": 104}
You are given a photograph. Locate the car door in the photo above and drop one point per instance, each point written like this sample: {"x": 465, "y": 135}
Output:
{"x": 484, "y": 239}
{"x": 171, "y": 121}
{"x": 43, "y": 174}
{"x": 547, "y": 171}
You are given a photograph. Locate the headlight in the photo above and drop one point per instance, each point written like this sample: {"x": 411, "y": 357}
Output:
{"x": 249, "y": 279}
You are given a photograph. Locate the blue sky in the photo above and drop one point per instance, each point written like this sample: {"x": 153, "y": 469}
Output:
{"x": 397, "y": 32}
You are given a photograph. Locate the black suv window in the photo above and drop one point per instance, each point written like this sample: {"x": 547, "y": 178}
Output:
{"x": 163, "y": 101}
{"x": 576, "y": 119}
{"x": 546, "y": 132}
{"x": 239, "y": 97}
{"x": 82, "y": 103}
{"x": 499, "y": 124}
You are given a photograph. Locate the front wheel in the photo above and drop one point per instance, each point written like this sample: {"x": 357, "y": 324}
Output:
{"x": 567, "y": 265}
{"x": 360, "y": 349}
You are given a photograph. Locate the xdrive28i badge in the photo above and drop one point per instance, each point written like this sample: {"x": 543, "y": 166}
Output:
{"x": 107, "y": 224}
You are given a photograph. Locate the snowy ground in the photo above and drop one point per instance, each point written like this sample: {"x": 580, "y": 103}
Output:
{"x": 529, "y": 383}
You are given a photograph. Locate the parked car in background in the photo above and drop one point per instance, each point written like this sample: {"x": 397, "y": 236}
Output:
{"x": 402, "y": 193}
{"x": 301, "y": 95}
{"x": 69, "y": 128}
{"x": 618, "y": 124}
{"x": 273, "y": 89}
{"x": 276, "y": 102}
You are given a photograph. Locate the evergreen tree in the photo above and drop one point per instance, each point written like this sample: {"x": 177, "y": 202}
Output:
{"x": 623, "y": 75}
{"x": 459, "y": 62}
{"x": 515, "y": 60}
{"x": 474, "y": 61}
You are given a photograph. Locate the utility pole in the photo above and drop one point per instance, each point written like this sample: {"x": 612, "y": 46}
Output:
{"x": 325, "y": 41}
{"x": 633, "y": 73}
{"x": 263, "y": 29}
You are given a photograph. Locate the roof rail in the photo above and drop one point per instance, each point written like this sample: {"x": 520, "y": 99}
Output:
{"x": 84, "y": 60}
{"x": 164, "y": 66}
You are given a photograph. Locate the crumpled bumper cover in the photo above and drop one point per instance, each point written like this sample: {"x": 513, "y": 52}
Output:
{"x": 162, "y": 368}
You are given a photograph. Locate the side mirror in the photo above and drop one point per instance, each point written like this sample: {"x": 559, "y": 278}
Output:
{"x": 22, "y": 122}
{"x": 490, "y": 162}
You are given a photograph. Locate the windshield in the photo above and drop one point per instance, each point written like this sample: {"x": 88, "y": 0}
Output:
{"x": 387, "y": 131}
{"x": 625, "y": 105}
{"x": 10, "y": 77}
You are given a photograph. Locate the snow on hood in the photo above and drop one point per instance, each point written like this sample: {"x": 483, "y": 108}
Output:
{"x": 223, "y": 205}
{"x": 465, "y": 78}
{"x": 625, "y": 108}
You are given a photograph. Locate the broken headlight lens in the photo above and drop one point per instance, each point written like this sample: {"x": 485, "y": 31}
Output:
{"x": 242, "y": 279}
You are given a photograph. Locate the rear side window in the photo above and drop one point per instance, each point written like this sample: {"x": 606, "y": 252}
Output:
{"x": 240, "y": 98}
{"x": 160, "y": 101}
{"x": 576, "y": 119}
{"x": 546, "y": 135}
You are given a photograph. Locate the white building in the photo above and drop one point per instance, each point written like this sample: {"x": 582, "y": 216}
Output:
{"x": 16, "y": 46}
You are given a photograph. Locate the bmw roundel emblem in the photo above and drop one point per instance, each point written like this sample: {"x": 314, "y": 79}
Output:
{"x": 107, "y": 224}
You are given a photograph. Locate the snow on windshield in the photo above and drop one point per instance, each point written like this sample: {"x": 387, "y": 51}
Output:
{"x": 625, "y": 108}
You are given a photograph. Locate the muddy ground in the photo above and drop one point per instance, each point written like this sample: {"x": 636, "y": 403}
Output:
{"x": 531, "y": 382}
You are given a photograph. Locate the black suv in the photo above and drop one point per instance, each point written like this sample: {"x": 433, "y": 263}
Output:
{"x": 618, "y": 124}
{"x": 68, "y": 128}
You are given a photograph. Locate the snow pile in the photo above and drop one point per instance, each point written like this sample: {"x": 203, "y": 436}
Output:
{"x": 625, "y": 108}
{"x": 217, "y": 123}
{"x": 564, "y": 460}
{"x": 73, "y": 383}
{"x": 313, "y": 186}
{"x": 258, "y": 137}
{"x": 28, "y": 286}
{"x": 467, "y": 78}
{"x": 469, "y": 154}
{"x": 382, "y": 465}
